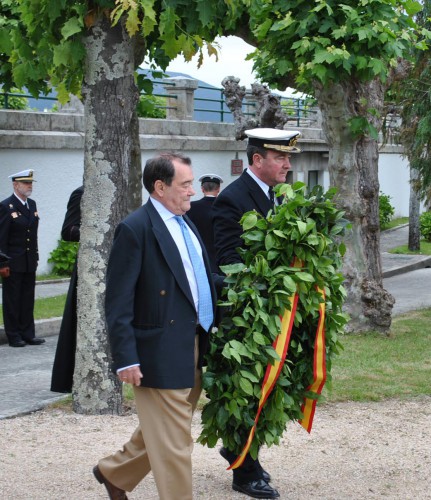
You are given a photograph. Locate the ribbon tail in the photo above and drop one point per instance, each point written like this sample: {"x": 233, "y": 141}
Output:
{"x": 319, "y": 370}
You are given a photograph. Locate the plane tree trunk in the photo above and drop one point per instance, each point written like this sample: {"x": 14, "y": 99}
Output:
{"x": 414, "y": 213}
{"x": 353, "y": 168}
{"x": 112, "y": 169}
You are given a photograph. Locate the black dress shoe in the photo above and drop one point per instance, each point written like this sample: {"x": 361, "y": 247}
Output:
{"x": 114, "y": 493}
{"x": 18, "y": 343}
{"x": 224, "y": 452}
{"x": 256, "y": 489}
{"x": 35, "y": 341}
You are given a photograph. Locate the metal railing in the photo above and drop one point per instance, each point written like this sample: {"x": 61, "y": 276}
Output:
{"x": 6, "y": 96}
{"x": 209, "y": 105}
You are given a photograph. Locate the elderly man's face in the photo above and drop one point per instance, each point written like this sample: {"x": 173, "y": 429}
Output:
{"x": 176, "y": 197}
{"x": 23, "y": 188}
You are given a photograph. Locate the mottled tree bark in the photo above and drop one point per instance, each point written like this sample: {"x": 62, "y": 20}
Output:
{"x": 234, "y": 94}
{"x": 268, "y": 107}
{"x": 267, "y": 113}
{"x": 353, "y": 168}
{"x": 112, "y": 169}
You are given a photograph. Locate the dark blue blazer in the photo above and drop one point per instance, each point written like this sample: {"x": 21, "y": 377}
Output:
{"x": 239, "y": 197}
{"x": 150, "y": 311}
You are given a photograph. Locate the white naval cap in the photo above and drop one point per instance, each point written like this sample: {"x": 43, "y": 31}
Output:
{"x": 23, "y": 176}
{"x": 274, "y": 138}
{"x": 210, "y": 178}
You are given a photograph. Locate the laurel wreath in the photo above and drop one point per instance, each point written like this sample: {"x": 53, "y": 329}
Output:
{"x": 308, "y": 227}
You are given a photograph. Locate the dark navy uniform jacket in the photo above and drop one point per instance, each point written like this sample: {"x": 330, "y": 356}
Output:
{"x": 241, "y": 196}
{"x": 18, "y": 234}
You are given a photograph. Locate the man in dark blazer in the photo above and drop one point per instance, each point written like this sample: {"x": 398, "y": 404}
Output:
{"x": 64, "y": 359}
{"x": 19, "y": 223}
{"x": 268, "y": 153}
{"x": 200, "y": 214}
{"x": 158, "y": 331}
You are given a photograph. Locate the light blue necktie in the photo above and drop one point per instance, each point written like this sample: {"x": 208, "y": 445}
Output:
{"x": 205, "y": 304}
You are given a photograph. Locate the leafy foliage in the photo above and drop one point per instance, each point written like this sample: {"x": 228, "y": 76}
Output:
{"x": 150, "y": 106}
{"x": 12, "y": 101}
{"x": 43, "y": 45}
{"x": 305, "y": 227}
{"x": 330, "y": 41}
{"x": 386, "y": 210}
{"x": 425, "y": 225}
{"x": 63, "y": 257}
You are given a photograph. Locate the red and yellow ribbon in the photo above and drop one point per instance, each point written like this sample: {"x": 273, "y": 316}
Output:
{"x": 281, "y": 344}
{"x": 319, "y": 369}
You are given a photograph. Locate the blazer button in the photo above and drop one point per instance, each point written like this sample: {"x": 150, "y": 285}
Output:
{"x": 172, "y": 321}
{"x": 162, "y": 292}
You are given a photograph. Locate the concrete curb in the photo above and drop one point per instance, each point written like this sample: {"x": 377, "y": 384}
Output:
{"x": 26, "y": 410}
{"x": 44, "y": 328}
{"x": 412, "y": 263}
{"x": 392, "y": 229}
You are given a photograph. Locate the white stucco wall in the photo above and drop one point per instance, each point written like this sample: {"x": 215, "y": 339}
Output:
{"x": 394, "y": 176}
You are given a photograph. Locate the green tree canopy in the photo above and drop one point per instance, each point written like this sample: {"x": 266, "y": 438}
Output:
{"x": 330, "y": 41}
{"x": 42, "y": 40}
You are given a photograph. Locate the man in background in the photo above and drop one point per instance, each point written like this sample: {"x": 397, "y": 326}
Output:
{"x": 19, "y": 222}
{"x": 64, "y": 360}
{"x": 200, "y": 214}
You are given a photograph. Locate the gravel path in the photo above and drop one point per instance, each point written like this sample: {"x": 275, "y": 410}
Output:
{"x": 355, "y": 451}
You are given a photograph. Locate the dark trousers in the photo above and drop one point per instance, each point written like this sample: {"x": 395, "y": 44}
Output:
{"x": 250, "y": 470}
{"x": 64, "y": 359}
{"x": 18, "y": 306}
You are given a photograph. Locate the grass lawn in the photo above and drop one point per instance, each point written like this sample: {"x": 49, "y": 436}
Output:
{"x": 425, "y": 249}
{"x": 373, "y": 367}
{"x": 399, "y": 221}
{"x": 51, "y": 307}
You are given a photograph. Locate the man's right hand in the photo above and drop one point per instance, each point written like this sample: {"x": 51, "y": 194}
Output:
{"x": 5, "y": 272}
{"x": 131, "y": 375}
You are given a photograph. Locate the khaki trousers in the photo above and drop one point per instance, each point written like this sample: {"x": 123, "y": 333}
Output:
{"x": 162, "y": 442}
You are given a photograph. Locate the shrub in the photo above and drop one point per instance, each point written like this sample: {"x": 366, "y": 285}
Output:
{"x": 63, "y": 257}
{"x": 151, "y": 106}
{"x": 386, "y": 210}
{"x": 13, "y": 101}
{"x": 425, "y": 225}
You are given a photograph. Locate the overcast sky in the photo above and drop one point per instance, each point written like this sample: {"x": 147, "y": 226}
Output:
{"x": 231, "y": 62}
